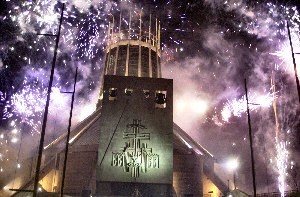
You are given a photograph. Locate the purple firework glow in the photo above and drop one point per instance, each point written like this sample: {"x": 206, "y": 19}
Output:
{"x": 233, "y": 40}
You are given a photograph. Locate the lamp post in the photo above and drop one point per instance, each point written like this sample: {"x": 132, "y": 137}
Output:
{"x": 232, "y": 164}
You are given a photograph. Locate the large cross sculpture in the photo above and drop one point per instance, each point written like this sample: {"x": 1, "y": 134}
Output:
{"x": 135, "y": 156}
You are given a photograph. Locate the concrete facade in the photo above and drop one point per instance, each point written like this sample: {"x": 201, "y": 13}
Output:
{"x": 187, "y": 173}
{"x": 136, "y": 139}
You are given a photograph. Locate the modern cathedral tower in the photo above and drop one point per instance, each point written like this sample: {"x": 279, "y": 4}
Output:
{"x": 133, "y": 48}
{"x": 136, "y": 140}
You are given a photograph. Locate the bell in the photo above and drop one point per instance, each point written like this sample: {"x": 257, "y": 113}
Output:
{"x": 128, "y": 92}
{"x": 146, "y": 93}
{"x": 160, "y": 98}
{"x": 113, "y": 92}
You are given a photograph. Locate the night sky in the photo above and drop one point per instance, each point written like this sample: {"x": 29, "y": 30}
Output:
{"x": 209, "y": 47}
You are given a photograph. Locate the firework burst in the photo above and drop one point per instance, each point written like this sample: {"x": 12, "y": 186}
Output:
{"x": 237, "y": 107}
{"x": 28, "y": 104}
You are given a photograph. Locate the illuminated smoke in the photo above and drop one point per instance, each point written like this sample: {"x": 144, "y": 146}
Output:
{"x": 1, "y": 65}
{"x": 281, "y": 162}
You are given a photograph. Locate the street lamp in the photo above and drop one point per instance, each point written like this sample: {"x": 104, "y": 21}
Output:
{"x": 232, "y": 164}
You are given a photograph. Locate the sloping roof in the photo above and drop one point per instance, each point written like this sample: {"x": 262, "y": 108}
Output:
{"x": 188, "y": 141}
{"x": 239, "y": 193}
{"x": 208, "y": 166}
{"x": 78, "y": 133}
{"x": 86, "y": 132}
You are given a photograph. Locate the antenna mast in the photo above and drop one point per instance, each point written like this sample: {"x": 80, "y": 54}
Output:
{"x": 41, "y": 146}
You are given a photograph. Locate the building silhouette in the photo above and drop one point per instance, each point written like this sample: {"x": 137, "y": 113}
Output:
{"x": 130, "y": 145}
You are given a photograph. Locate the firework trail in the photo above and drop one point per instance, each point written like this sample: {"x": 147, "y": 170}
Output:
{"x": 5, "y": 107}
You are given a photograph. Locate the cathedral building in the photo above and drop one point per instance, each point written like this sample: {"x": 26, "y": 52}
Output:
{"x": 130, "y": 145}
